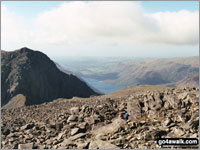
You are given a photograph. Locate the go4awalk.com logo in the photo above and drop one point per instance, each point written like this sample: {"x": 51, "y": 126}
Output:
{"x": 177, "y": 142}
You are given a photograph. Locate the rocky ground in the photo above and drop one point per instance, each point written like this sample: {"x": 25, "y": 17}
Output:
{"x": 94, "y": 122}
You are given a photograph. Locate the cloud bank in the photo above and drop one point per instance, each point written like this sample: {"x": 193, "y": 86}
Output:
{"x": 100, "y": 23}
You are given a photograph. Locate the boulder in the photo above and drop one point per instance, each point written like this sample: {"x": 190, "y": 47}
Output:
{"x": 77, "y": 136}
{"x": 27, "y": 126}
{"x": 82, "y": 145}
{"x": 74, "y": 110}
{"x": 182, "y": 96}
{"x": 72, "y": 118}
{"x": 60, "y": 135}
{"x": 172, "y": 100}
{"x": 75, "y": 131}
{"x": 167, "y": 122}
{"x": 178, "y": 132}
{"x": 83, "y": 125}
{"x": 101, "y": 145}
{"x": 134, "y": 109}
{"x": 110, "y": 128}
{"x": 6, "y": 132}
{"x": 92, "y": 120}
{"x": 25, "y": 146}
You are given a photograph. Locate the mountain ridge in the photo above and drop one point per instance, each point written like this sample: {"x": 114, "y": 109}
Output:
{"x": 156, "y": 71}
{"x": 34, "y": 75}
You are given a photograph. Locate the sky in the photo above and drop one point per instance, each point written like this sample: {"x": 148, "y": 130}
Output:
{"x": 108, "y": 28}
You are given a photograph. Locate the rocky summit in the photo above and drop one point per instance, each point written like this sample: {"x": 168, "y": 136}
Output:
{"x": 98, "y": 122}
{"x": 30, "y": 77}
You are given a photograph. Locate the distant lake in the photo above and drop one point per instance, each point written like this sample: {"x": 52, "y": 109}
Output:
{"x": 102, "y": 86}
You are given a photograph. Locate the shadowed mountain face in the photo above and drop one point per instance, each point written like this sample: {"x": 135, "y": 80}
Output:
{"x": 35, "y": 76}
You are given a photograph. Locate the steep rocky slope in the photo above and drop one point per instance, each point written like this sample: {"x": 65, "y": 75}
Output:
{"x": 36, "y": 77}
{"x": 69, "y": 72}
{"x": 95, "y": 122}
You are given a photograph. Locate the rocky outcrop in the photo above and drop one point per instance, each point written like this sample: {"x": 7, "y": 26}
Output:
{"x": 36, "y": 77}
{"x": 97, "y": 122}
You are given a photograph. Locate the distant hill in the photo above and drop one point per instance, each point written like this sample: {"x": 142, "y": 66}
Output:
{"x": 32, "y": 75}
{"x": 156, "y": 71}
{"x": 192, "y": 81}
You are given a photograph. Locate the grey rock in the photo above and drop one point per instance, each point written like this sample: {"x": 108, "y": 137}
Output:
{"x": 167, "y": 122}
{"x": 25, "y": 146}
{"x": 75, "y": 131}
{"x": 178, "y": 132}
{"x": 66, "y": 142}
{"x": 194, "y": 124}
{"x": 194, "y": 135}
{"x": 101, "y": 145}
{"x": 91, "y": 120}
{"x": 182, "y": 96}
{"x": 60, "y": 135}
{"x": 82, "y": 145}
{"x": 101, "y": 136}
{"x": 27, "y": 126}
{"x": 82, "y": 125}
{"x": 172, "y": 100}
{"x": 77, "y": 136}
{"x": 133, "y": 109}
{"x": 6, "y": 132}
{"x": 74, "y": 110}
{"x": 40, "y": 146}
{"x": 72, "y": 118}
{"x": 71, "y": 139}
{"x": 72, "y": 124}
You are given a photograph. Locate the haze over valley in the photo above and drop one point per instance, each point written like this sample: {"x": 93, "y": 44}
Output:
{"x": 109, "y": 74}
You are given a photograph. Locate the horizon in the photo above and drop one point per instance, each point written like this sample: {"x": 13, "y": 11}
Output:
{"x": 96, "y": 56}
{"x": 91, "y": 29}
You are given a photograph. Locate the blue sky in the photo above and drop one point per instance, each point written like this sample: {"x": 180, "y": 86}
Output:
{"x": 153, "y": 28}
{"x": 154, "y": 6}
{"x": 33, "y": 8}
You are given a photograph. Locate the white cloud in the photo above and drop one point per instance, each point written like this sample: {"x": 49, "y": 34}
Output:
{"x": 13, "y": 29}
{"x": 100, "y": 23}
{"x": 176, "y": 27}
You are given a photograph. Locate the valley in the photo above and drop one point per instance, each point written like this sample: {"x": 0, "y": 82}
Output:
{"x": 123, "y": 72}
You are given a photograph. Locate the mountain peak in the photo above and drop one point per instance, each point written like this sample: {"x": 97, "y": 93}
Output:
{"x": 35, "y": 76}
{"x": 25, "y": 49}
